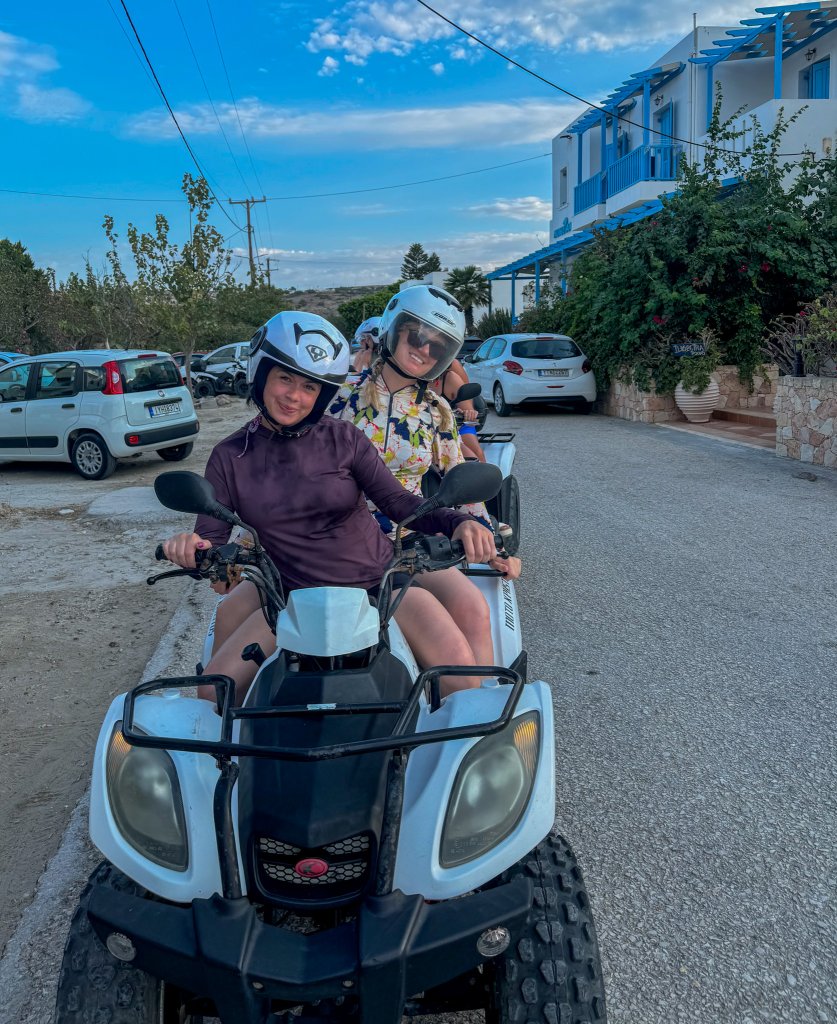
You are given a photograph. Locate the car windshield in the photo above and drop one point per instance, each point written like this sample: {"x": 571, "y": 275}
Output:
{"x": 150, "y": 374}
{"x": 545, "y": 348}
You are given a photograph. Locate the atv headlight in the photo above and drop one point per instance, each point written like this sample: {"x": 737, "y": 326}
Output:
{"x": 145, "y": 798}
{"x": 491, "y": 791}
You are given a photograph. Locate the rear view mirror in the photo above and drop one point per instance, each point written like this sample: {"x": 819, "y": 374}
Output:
{"x": 468, "y": 392}
{"x": 469, "y": 482}
{"x": 187, "y": 492}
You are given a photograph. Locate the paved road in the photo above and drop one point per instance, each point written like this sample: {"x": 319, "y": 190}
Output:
{"x": 680, "y": 595}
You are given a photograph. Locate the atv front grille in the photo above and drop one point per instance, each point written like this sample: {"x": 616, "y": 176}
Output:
{"x": 337, "y": 870}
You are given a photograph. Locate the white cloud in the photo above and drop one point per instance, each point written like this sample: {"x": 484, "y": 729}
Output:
{"x": 23, "y": 65}
{"x": 526, "y": 208}
{"x": 438, "y": 69}
{"x": 330, "y": 67}
{"x": 490, "y": 124}
{"x": 363, "y": 28}
{"x": 42, "y": 105}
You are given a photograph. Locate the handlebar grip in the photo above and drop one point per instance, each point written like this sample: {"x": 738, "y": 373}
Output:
{"x": 159, "y": 554}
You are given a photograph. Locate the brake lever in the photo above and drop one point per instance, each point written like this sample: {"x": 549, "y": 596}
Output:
{"x": 194, "y": 573}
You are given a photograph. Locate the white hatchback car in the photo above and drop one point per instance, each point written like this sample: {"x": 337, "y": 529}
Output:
{"x": 91, "y": 408}
{"x": 547, "y": 368}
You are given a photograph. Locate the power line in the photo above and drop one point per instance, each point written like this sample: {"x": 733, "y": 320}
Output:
{"x": 208, "y": 95}
{"x": 575, "y": 96}
{"x": 277, "y": 199}
{"x": 171, "y": 112}
{"x": 235, "y": 108}
{"x": 130, "y": 43}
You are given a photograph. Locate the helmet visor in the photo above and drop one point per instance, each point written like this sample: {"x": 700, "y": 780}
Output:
{"x": 421, "y": 350}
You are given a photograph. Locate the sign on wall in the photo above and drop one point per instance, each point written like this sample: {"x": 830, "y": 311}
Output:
{"x": 688, "y": 348}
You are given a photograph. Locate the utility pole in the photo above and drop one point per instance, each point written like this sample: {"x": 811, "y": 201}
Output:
{"x": 269, "y": 260}
{"x": 248, "y": 203}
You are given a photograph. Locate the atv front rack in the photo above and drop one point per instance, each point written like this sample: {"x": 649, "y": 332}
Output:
{"x": 398, "y": 739}
{"x": 500, "y": 437}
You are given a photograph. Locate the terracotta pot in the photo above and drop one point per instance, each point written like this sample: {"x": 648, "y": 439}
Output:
{"x": 697, "y": 408}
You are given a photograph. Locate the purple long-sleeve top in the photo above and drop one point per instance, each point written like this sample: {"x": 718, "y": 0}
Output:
{"x": 305, "y": 498}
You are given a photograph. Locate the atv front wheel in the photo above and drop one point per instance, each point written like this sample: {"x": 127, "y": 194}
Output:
{"x": 553, "y": 975}
{"x": 95, "y": 986}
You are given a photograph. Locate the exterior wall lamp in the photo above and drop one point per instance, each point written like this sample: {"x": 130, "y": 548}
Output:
{"x": 810, "y": 54}
{"x": 658, "y": 99}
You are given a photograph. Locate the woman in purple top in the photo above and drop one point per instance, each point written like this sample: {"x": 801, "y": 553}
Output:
{"x": 301, "y": 480}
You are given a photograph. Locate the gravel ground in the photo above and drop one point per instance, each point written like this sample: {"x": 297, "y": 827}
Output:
{"x": 679, "y": 595}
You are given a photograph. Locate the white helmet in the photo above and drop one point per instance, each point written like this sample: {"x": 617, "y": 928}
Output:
{"x": 302, "y": 343}
{"x": 424, "y": 316}
{"x": 371, "y": 325}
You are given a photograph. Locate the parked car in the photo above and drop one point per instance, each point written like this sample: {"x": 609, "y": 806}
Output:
{"x": 10, "y": 357}
{"x": 197, "y": 364}
{"x": 93, "y": 407}
{"x": 226, "y": 357}
{"x": 514, "y": 369}
{"x": 469, "y": 346}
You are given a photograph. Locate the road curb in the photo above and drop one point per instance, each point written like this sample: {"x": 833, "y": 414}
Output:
{"x": 32, "y": 957}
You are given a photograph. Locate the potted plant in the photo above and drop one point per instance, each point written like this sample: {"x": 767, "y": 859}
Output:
{"x": 697, "y": 393}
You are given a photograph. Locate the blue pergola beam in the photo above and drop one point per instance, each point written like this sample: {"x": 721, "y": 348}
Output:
{"x": 629, "y": 88}
{"x": 828, "y": 27}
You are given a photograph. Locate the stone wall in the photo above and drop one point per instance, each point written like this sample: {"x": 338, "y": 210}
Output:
{"x": 806, "y": 413}
{"x": 629, "y": 403}
{"x": 737, "y": 395}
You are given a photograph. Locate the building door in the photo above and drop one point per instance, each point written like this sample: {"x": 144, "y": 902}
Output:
{"x": 820, "y": 74}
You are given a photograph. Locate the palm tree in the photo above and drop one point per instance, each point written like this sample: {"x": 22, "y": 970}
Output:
{"x": 471, "y": 287}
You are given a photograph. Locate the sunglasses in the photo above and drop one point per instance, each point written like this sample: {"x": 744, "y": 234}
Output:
{"x": 416, "y": 339}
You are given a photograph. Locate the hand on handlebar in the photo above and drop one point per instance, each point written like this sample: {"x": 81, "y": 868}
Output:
{"x": 181, "y": 549}
{"x": 469, "y": 415}
{"x": 476, "y": 540}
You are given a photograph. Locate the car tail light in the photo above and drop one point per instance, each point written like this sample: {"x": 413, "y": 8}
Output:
{"x": 510, "y": 366}
{"x": 133, "y": 439}
{"x": 113, "y": 379}
{"x": 585, "y": 366}
{"x": 147, "y": 355}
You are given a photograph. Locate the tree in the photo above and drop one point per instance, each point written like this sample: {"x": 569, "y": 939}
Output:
{"x": 416, "y": 263}
{"x": 498, "y": 321}
{"x": 471, "y": 287}
{"x": 178, "y": 285}
{"x": 26, "y": 301}
{"x": 351, "y": 314}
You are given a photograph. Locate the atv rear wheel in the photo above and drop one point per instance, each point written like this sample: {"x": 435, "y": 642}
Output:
{"x": 95, "y": 986}
{"x": 553, "y": 975}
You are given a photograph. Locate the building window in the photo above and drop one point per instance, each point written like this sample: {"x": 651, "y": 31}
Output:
{"x": 563, "y": 187}
{"x": 814, "y": 82}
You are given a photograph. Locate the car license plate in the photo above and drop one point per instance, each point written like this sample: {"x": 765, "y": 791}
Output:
{"x": 164, "y": 409}
{"x": 553, "y": 373}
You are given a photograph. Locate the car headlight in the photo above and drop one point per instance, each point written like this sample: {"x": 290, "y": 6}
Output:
{"x": 145, "y": 799}
{"x": 491, "y": 791}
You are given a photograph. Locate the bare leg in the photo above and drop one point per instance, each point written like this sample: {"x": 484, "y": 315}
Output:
{"x": 237, "y": 606}
{"x": 227, "y": 658}
{"x": 466, "y": 606}
{"x": 472, "y": 446}
{"x": 434, "y": 638}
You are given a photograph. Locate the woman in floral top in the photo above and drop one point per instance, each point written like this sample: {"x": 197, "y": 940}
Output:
{"x": 413, "y": 429}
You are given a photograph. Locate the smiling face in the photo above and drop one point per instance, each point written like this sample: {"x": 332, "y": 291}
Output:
{"x": 418, "y": 348}
{"x": 289, "y": 397}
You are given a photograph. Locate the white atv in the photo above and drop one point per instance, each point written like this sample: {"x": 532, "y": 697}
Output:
{"x": 344, "y": 846}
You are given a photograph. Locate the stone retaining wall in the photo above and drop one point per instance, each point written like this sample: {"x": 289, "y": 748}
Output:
{"x": 737, "y": 395}
{"x": 629, "y": 403}
{"x": 806, "y": 414}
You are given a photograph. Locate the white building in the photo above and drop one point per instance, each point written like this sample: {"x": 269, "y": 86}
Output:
{"x": 611, "y": 165}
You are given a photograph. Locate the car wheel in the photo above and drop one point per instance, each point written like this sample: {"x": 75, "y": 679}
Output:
{"x": 501, "y": 406}
{"x": 241, "y": 387}
{"x": 91, "y": 457}
{"x": 177, "y": 453}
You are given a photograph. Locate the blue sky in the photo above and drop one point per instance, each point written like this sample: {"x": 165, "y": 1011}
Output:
{"x": 331, "y": 97}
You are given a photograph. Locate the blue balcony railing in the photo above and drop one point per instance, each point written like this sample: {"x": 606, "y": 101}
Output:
{"x": 646, "y": 163}
{"x": 588, "y": 193}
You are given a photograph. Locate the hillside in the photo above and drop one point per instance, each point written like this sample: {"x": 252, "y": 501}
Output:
{"x": 326, "y": 300}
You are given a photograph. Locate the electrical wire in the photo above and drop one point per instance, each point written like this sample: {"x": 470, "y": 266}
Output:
{"x": 208, "y": 95}
{"x": 581, "y": 99}
{"x": 171, "y": 112}
{"x": 131, "y": 43}
{"x": 277, "y": 199}
{"x": 237, "y": 115}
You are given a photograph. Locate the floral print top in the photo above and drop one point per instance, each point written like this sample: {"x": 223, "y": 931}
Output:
{"x": 408, "y": 436}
